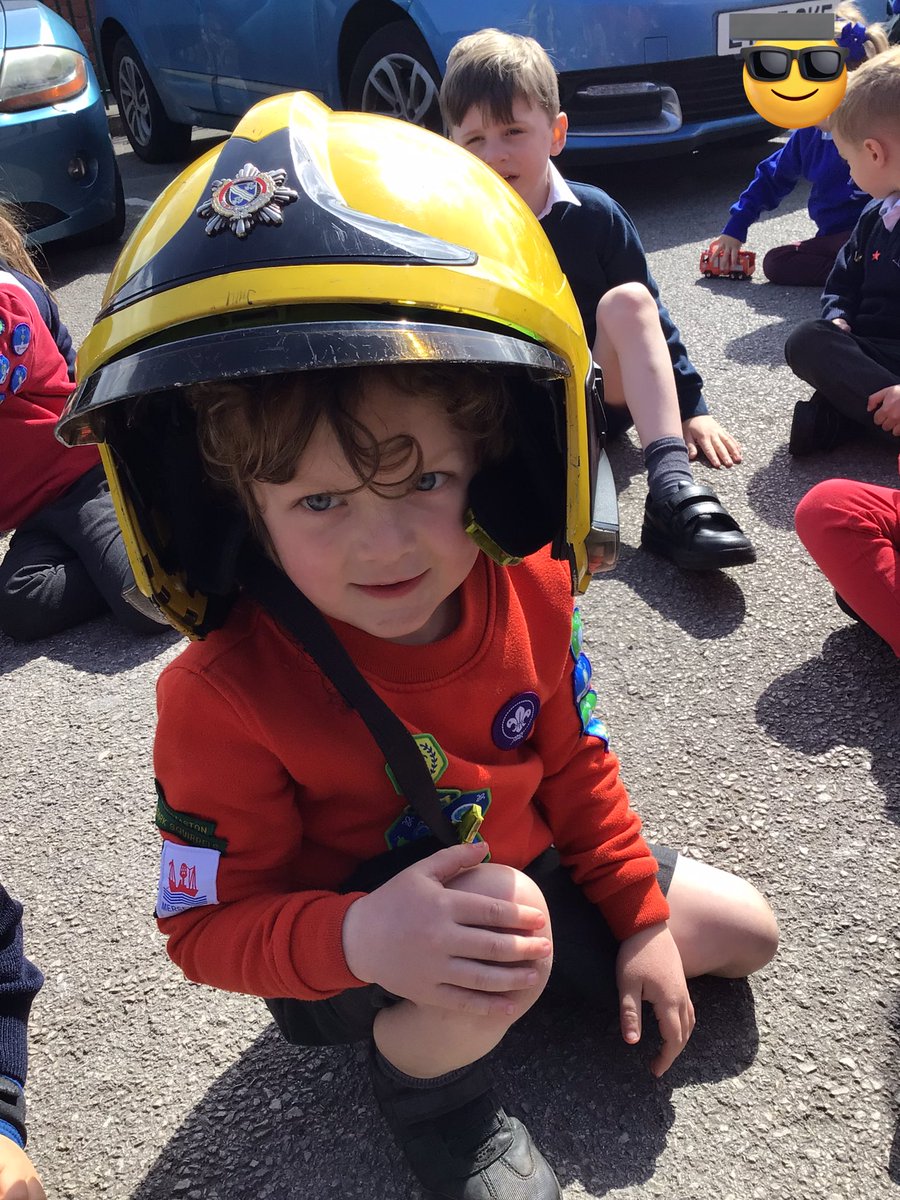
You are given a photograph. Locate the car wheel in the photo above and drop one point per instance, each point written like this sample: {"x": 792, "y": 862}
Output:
{"x": 396, "y": 75}
{"x": 111, "y": 230}
{"x": 153, "y": 136}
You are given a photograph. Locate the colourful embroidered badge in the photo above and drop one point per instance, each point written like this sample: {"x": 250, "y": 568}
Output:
{"x": 187, "y": 879}
{"x": 583, "y": 694}
{"x": 435, "y": 759}
{"x": 197, "y": 831}
{"x": 513, "y": 722}
{"x": 409, "y": 826}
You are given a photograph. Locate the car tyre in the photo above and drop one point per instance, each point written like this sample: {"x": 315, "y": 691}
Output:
{"x": 395, "y": 74}
{"x": 153, "y": 136}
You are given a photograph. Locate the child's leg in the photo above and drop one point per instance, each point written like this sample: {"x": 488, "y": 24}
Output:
{"x": 721, "y": 924}
{"x": 86, "y": 520}
{"x": 634, "y": 358}
{"x": 852, "y": 531}
{"x": 804, "y": 264}
{"x": 841, "y": 369}
{"x": 44, "y": 588}
{"x": 684, "y": 521}
{"x": 436, "y": 1095}
{"x": 427, "y": 1042}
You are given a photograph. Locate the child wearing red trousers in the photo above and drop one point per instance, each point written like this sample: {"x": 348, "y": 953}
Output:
{"x": 852, "y": 530}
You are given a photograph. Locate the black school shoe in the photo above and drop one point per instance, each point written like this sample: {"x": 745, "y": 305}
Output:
{"x": 693, "y": 529}
{"x": 459, "y": 1142}
{"x": 817, "y": 427}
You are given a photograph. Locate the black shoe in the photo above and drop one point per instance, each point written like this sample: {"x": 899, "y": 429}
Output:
{"x": 694, "y": 530}
{"x": 816, "y": 426}
{"x": 459, "y": 1142}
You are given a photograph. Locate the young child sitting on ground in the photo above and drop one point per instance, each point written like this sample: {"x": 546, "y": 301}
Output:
{"x": 66, "y": 561}
{"x": 500, "y": 100}
{"x": 19, "y": 984}
{"x": 387, "y": 455}
{"x": 852, "y": 531}
{"x": 852, "y": 355}
{"x": 835, "y": 201}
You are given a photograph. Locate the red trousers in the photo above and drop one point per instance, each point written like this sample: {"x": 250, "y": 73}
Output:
{"x": 852, "y": 530}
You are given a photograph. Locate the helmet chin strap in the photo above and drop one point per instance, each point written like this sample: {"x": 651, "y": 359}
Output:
{"x": 268, "y": 585}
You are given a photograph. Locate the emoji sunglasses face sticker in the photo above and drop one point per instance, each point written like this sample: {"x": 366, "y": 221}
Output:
{"x": 795, "y": 74}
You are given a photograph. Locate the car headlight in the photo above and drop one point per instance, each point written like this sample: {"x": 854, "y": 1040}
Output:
{"x": 34, "y": 76}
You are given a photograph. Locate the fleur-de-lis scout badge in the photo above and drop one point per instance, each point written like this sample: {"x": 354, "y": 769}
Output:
{"x": 252, "y": 197}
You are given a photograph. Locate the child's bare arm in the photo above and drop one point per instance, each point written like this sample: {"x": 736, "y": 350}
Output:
{"x": 449, "y": 949}
{"x": 18, "y": 1178}
{"x": 649, "y": 968}
{"x": 704, "y": 435}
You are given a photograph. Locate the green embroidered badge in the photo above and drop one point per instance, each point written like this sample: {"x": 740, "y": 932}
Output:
{"x": 196, "y": 831}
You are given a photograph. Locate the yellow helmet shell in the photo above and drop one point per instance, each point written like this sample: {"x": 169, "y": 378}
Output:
{"x": 396, "y": 243}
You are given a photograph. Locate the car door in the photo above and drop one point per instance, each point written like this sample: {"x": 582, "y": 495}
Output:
{"x": 260, "y": 49}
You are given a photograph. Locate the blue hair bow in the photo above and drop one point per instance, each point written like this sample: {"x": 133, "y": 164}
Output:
{"x": 853, "y": 38}
{"x": 895, "y": 7}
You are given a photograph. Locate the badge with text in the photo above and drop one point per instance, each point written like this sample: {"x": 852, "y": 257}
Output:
{"x": 187, "y": 879}
{"x": 513, "y": 722}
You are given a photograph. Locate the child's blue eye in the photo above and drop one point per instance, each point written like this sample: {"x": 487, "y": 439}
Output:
{"x": 321, "y": 502}
{"x": 429, "y": 480}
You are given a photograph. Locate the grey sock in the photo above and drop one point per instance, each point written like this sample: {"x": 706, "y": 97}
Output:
{"x": 388, "y": 1069}
{"x": 668, "y": 466}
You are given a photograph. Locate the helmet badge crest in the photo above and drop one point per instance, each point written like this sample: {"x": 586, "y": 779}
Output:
{"x": 252, "y": 196}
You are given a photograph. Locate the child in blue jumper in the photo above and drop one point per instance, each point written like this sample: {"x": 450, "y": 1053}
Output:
{"x": 835, "y": 201}
{"x": 19, "y": 984}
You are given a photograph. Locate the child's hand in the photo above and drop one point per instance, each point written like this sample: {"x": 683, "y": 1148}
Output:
{"x": 649, "y": 968}
{"x": 841, "y": 324}
{"x": 18, "y": 1178}
{"x": 886, "y": 407}
{"x": 704, "y": 435}
{"x": 438, "y": 946}
{"x": 726, "y": 249}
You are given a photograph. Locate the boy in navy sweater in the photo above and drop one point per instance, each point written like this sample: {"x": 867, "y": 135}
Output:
{"x": 500, "y": 100}
{"x": 851, "y": 356}
{"x": 19, "y": 984}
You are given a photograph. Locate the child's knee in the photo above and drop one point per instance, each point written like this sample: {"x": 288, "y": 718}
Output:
{"x": 625, "y": 304}
{"x": 507, "y": 883}
{"x": 756, "y": 933}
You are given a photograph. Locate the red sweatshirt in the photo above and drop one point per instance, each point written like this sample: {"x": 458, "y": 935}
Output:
{"x": 35, "y": 468}
{"x": 282, "y": 788}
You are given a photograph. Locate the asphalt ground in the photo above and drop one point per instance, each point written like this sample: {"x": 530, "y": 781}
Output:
{"x": 757, "y": 729}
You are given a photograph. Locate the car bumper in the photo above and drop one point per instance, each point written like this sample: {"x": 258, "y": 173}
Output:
{"x": 37, "y": 153}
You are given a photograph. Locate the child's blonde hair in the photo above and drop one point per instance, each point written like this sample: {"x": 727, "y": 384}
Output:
{"x": 490, "y": 70}
{"x": 12, "y": 245}
{"x": 876, "y": 40}
{"x": 871, "y": 104}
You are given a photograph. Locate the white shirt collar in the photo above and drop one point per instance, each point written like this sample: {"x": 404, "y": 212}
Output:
{"x": 560, "y": 192}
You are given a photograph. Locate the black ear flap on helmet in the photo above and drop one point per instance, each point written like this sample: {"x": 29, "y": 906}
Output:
{"x": 519, "y": 502}
{"x": 191, "y": 526}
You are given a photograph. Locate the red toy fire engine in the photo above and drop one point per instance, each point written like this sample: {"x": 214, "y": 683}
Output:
{"x": 709, "y": 265}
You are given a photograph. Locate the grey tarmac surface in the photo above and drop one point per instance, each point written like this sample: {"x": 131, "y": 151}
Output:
{"x": 757, "y": 729}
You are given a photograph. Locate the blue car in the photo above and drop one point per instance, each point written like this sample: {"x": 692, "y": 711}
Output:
{"x": 57, "y": 163}
{"x": 637, "y": 79}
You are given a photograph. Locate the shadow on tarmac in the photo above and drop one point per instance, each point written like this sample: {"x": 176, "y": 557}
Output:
{"x": 827, "y": 702}
{"x": 286, "y": 1122}
{"x": 775, "y": 490}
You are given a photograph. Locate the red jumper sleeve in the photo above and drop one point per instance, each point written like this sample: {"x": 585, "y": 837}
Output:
{"x": 264, "y": 936}
{"x": 585, "y": 803}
